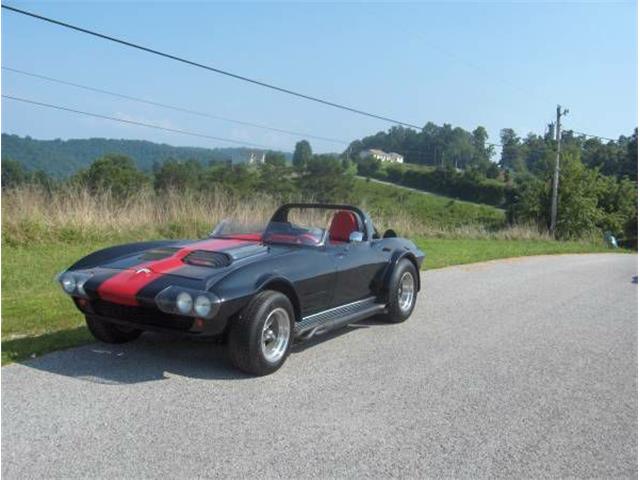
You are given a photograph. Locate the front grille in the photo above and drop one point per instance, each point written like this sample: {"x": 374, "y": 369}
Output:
{"x": 204, "y": 258}
{"x": 141, "y": 315}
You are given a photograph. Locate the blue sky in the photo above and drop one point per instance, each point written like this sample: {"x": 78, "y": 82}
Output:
{"x": 496, "y": 64}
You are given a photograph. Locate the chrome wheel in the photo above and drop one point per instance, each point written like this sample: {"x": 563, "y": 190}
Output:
{"x": 275, "y": 335}
{"x": 406, "y": 291}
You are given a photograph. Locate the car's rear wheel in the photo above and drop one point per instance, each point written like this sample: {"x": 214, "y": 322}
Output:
{"x": 108, "y": 332}
{"x": 403, "y": 290}
{"x": 261, "y": 337}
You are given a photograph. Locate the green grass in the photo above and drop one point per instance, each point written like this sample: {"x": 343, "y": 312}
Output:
{"x": 38, "y": 318}
{"x": 446, "y": 252}
{"x": 425, "y": 209}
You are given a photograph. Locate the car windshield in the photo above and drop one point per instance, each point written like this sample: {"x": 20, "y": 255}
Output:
{"x": 228, "y": 228}
{"x": 293, "y": 234}
{"x": 301, "y": 227}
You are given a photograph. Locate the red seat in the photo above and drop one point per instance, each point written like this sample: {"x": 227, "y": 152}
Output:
{"x": 343, "y": 224}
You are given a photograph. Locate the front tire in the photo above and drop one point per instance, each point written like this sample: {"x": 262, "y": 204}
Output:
{"x": 108, "y": 332}
{"x": 261, "y": 337}
{"x": 403, "y": 290}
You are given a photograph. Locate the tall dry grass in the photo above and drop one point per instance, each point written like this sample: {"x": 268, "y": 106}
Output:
{"x": 31, "y": 214}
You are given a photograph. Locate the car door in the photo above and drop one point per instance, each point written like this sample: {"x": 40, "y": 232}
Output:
{"x": 359, "y": 264}
{"x": 314, "y": 273}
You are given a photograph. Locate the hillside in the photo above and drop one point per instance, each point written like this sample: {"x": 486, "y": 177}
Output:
{"x": 61, "y": 158}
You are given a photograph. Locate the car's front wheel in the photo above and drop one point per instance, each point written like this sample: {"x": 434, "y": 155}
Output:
{"x": 108, "y": 332}
{"x": 261, "y": 337}
{"x": 403, "y": 290}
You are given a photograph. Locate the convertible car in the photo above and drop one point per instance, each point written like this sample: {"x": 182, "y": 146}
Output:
{"x": 258, "y": 289}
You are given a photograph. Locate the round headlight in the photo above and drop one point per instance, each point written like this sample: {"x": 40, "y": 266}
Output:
{"x": 202, "y": 306}
{"x": 184, "y": 302}
{"x": 68, "y": 283}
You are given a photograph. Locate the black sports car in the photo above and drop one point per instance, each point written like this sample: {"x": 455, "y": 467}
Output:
{"x": 260, "y": 289}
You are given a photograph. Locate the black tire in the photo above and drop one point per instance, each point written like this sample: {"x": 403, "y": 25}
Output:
{"x": 246, "y": 333}
{"x": 396, "y": 311}
{"x": 108, "y": 332}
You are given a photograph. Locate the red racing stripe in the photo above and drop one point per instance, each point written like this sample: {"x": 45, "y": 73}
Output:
{"x": 123, "y": 287}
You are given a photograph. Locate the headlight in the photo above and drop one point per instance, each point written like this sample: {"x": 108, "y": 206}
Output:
{"x": 184, "y": 302}
{"x": 187, "y": 301}
{"x": 68, "y": 283}
{"x": 202, "y": 306}
{"x": 73, "y": 282}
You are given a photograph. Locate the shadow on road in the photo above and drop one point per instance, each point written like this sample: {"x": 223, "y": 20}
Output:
{"x": 157, "y": 356}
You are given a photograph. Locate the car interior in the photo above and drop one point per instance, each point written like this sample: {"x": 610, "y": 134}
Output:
{"x": 343, "y": 223}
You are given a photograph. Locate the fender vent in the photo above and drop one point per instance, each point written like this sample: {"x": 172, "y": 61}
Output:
{"x": 204, "y": 258}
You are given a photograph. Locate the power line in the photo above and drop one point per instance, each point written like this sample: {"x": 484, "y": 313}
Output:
{"x": 172, "y": 107}
{"x": 190, "y": 111}
{"x": 207, "y": 67}
{"x": 133, "y": 122}
{"x": 593, "y": 136}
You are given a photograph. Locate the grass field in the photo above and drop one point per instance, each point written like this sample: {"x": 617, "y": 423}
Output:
{"x": 33, "y": 216}
{"x": 425, "y": 214}
{"x": 37, "y": 317}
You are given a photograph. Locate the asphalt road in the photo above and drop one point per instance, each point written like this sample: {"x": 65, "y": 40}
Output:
{"x": 524, "y": 368}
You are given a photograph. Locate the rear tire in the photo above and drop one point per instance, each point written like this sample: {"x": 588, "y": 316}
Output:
{"x": 403, "y": 290}
{"x": 261, "y": 337}
{"x": 108, "y": 332}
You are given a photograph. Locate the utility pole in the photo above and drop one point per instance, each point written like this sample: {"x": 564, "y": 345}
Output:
{"x": 556, "y": 173}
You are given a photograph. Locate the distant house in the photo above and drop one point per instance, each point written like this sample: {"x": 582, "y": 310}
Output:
{"x": 249, "y": 157}
{"x": 382, "y": 156}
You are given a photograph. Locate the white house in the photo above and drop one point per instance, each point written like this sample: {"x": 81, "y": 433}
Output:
{"x": 382, "y": 156}
{"x": 250, "y": 157}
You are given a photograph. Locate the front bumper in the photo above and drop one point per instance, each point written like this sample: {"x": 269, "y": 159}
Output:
{"x": 148, "y": 318}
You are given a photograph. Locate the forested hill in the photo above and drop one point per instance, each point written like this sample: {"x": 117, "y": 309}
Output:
{"x": 61, "y": 158}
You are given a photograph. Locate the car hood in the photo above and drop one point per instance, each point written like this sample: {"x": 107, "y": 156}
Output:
{"x": 178, "y": 257}
{"x": 194, "y": 263}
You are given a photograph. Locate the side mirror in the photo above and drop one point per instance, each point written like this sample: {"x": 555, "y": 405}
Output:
{"x": 356, "y": 237}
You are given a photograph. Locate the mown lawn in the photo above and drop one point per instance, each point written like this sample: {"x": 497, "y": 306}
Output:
{"x": 446, "y": 252}
{"x": 38, "y": 318}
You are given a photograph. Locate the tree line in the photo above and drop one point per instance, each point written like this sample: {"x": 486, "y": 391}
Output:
{"x": 323, "y": 178}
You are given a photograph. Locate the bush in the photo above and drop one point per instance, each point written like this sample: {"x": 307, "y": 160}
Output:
{"x": 470, "y": 185}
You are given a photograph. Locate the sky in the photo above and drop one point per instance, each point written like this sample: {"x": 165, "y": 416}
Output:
{"x": 496, "y": 64}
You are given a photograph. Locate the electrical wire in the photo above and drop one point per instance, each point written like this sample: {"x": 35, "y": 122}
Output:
{"x": 172, "y": 107}
{"x": 207, "y": 67}
{"x": 190, "y": 111}
{"x": 133, "y": 122}
{"x": 593, "y": 136}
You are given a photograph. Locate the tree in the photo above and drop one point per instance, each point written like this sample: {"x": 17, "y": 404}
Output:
{"x": 274, "y": 176}
{"x": 511, "y": 155}
{"x": 116, "y": 173}
{"x": 578, "y": 212}
{"x": 493, "y": 171}
{"x": 538, "y": 154}
{"x": 13, "y": 173}
{"x": 589, "y": 202}
{"x": 368, "y": 166}
{"x": 241, "y": 179}
{"x": 482, "y": 153}
{"x": 275, "y": 159}
{"x": 325, "y": 179}
{"x": 301, "y": 155}
{"x": 630, "y": 163}
{"x": 176, "y": 175}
